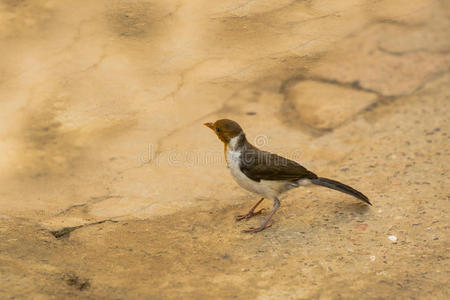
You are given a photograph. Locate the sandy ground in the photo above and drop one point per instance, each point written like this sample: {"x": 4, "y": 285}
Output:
{"x": 112, "y": 188}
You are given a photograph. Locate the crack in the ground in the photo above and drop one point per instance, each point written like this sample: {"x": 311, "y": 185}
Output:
{"x": 70, "y": 208}
{"x": 356, "y": 85}
{"x": 411, "y": 51}
{"x": 380, "y": 21}
{"x": 98, "y": 199}
{"x": 382, "y": 99}
{"x": 76, "y": 37}
{"x": 181, "y": 82}
{"x": 223, "y": 15}
{"x": 99, "y": 60}
{"x": 92, "y": 200}
{"x": 65, "y": 232}
{"x": 171, "y": 13}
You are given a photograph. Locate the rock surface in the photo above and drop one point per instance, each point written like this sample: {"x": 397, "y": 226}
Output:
{"x": 326, "y": 105}
{"x": 112, "y": 188}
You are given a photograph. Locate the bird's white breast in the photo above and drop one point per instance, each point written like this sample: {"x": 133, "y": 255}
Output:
{"x": 266, "y": 188}
{"x": 233, "y": 158}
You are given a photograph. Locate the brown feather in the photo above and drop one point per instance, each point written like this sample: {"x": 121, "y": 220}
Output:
{"x": 262, "y": 165}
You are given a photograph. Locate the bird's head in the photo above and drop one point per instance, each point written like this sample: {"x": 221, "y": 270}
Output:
{"x": 225, "y": 129}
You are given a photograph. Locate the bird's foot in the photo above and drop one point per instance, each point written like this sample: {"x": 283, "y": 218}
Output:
{"x": 258, "y": 229}
{"x": 249, "y": 215}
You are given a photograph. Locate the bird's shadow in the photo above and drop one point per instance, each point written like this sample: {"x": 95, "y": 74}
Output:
{"x": 318, "y": 213}
{"x": 346, "y": 212}
{"x": 356, "y": 207}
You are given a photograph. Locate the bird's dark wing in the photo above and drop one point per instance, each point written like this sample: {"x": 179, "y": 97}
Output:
{"x": 261, "y": 165}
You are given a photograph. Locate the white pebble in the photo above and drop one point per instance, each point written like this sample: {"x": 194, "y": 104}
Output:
{"x": 372, "y": 258}
{"x": 393, "y": 238}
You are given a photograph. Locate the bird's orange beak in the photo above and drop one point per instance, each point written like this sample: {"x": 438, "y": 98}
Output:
{"x": 209, "y": 125}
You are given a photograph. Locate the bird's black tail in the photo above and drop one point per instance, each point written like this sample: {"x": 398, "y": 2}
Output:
{"x": 336, "y": 185}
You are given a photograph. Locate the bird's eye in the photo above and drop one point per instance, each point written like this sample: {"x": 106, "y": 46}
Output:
{"x": 217, "y": 130}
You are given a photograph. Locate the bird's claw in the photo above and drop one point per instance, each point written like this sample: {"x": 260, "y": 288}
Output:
{"x": 258, "y": 229}
{"x": 249, "y": 215}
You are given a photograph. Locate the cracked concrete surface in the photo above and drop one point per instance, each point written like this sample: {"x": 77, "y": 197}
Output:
{"x": 112, "y": 188}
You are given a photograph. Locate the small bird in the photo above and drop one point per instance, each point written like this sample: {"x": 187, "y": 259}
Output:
{"x": 265, "y": 173}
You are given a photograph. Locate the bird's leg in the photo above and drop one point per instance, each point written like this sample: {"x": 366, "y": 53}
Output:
{"x": 267, "y": 223}
{"x": 251, "y": 212}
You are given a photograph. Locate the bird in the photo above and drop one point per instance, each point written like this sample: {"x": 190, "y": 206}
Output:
{"x": 266, "y": 174}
